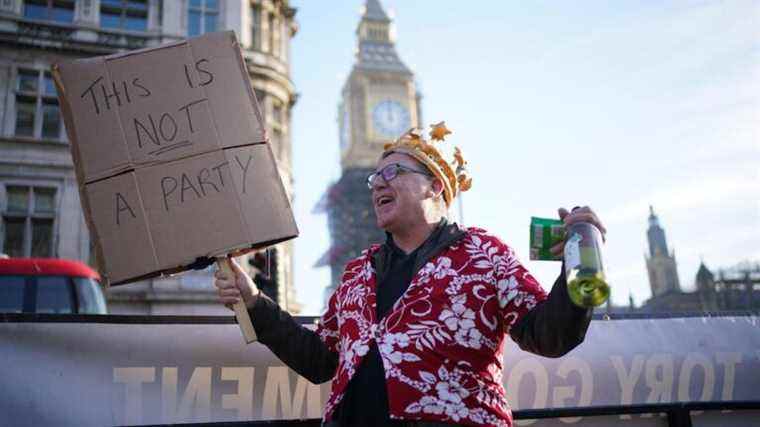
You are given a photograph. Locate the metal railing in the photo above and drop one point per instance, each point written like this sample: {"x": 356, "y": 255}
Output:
{"x": 678, "y": 414}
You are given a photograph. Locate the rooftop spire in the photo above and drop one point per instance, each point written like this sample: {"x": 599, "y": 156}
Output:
{"x": 653, "y": 220}
{"x": 656, "y": 235}
{"x": 703, "y": 273}
{"x": 377, "y": 50}
{"x": 374, "y": 11}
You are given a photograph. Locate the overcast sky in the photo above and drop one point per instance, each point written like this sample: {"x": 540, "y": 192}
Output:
{"x": 617, "y": 105}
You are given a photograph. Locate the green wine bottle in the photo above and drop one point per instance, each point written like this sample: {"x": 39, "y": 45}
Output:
{"x": 584, "y": 269}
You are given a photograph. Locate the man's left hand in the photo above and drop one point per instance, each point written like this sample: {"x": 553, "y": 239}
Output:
{"x": 578, "y": 214}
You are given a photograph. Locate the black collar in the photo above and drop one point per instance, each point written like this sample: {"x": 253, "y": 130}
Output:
{"x": 391, "y": 244}
{"x": 444, "y": 235}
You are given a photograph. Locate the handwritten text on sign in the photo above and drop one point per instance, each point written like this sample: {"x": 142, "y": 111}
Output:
{"x": 195, "y": 185}
{"x": 157, "y": 130}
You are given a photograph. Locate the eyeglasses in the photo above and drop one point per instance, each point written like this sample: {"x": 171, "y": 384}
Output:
{"x": 390, "y": 172}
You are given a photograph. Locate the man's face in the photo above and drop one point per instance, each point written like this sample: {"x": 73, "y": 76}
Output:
{"x": 401, "y": 202}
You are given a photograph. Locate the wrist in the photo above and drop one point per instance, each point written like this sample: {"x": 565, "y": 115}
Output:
{"x": 251, "y": 301}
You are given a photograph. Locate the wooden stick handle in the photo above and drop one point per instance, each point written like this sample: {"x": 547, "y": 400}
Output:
{"x": 241, "y": 311}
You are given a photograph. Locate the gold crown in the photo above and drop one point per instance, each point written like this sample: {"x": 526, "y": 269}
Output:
{"x": 444, "y": 162}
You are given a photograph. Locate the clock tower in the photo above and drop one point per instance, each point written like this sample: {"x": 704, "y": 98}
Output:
{"x": 379, "y": 102}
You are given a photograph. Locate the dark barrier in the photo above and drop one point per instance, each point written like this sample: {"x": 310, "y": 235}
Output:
{"x": 677, "y": 415}
{"x": 164, "y": 370}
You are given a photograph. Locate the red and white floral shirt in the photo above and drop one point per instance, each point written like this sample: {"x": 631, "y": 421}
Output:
{"x": 441, "y": 343}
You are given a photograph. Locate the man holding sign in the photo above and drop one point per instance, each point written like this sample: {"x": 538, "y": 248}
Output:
{"x": 413, "y": 334}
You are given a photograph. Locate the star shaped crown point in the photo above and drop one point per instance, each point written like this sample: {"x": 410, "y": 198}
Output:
{"x": 439, "y": 131}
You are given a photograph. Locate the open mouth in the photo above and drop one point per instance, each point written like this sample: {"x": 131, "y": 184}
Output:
{"x": 383, "y": 200}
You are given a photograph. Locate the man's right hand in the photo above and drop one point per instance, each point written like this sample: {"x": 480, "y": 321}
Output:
{"x": 232, "y": 289}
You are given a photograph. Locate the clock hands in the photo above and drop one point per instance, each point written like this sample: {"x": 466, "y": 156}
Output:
{"x": 390, "y": 117}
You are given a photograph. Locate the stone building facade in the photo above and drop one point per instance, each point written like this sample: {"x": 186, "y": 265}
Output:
{"x": 39, "y": 202}
{"x": 731, "y": 289}
{"x": 661, "y": 263}
{"x": 735, "y": 288}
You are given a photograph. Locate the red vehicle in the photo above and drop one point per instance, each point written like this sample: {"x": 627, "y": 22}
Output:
{"x": 49, "y": 285}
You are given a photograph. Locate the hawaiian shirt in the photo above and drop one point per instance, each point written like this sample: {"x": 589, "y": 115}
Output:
{"x": 441, "y": 343}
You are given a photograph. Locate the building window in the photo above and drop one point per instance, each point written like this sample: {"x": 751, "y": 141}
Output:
{"x": 37, "y": 112}
{"x": 274, "y": 35}
{"x": 49, "y": 10}
{"x": 255, "y": 26}
{"x": 28, "y": 221}
{"x": 277, "y": 114}
{"x": 129, "y": 15}
{"x": 284, "y": 45}
{"x": 202, "y": 17}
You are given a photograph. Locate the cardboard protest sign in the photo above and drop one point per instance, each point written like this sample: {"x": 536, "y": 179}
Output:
{"x": 171, "y": 157}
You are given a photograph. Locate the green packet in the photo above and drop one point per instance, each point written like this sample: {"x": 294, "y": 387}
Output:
{"x": 545, "y": 233}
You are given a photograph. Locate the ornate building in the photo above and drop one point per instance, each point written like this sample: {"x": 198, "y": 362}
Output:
{"x": 40, "y": 211}
{"x": 732, "y": 289}
{"x": 379, "y": 102}
{"x": 661, "y": 264}
{"x": 663, "y": 274}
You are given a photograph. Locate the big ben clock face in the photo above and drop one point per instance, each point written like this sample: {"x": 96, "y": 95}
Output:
{"x": 390, "y": 119}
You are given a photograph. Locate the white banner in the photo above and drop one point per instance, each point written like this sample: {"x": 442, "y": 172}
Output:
{"x": 95, "y": 374}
